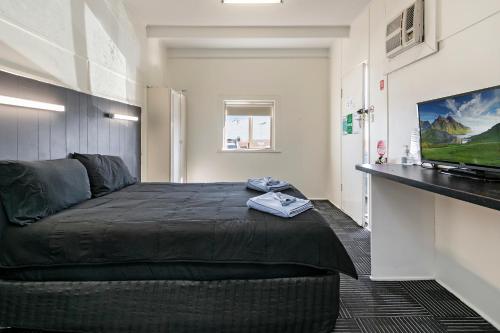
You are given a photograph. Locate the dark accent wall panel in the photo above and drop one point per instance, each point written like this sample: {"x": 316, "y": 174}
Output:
{"x": 103, "y": 127}
{"x": 83, "y": 123}
{"x": 27, "y": 129}
{"x": 8, "y": 121}
{"x": 92, "y": 139}
{"x": 30, "y": 134}
{"x": 43, "y": 136}
{"x": 73, "y": 122}
{"x": 8, "y": 133}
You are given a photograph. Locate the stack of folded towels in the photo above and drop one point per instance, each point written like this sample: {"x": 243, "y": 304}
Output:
{"x": 274, "y": 202}
{"x": 267, "y": 184}
{"x": 279, "y": 204}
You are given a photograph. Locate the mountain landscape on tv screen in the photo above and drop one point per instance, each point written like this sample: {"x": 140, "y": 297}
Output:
{"x": 463, "y": 129}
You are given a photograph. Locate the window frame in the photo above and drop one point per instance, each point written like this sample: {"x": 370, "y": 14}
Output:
{"x": 249, "y": 102}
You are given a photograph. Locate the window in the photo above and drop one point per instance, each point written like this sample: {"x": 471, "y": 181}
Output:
{"x": 248, "y": 125}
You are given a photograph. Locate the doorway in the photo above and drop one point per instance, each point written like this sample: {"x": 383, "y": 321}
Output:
{"x": 355, "y": 144}
{"x": 178, "y": 169}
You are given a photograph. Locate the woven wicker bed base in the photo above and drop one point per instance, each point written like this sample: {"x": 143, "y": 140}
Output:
{"x": 308, "y": 305}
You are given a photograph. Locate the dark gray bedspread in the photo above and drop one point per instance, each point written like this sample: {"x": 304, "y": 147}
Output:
{"x": 174, "y": 223}
{"x": 176, "y": 271}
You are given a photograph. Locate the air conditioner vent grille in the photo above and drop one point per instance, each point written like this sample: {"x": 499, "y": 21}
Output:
{"x": 393, "y": 43}
{"x": 405, "y": 30}
{"x": 394, "y": 25}
{"x": 410, "y": 14}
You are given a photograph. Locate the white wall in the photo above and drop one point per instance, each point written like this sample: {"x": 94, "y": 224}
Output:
{"x": 158, "y": 135}
{"x": 334, "y": 172}
{"x": 86, "y": 45}
{"x": 299, "y": 84}
{"x": 345, "y": 55}
{"x": 467, "y": 246}
{"x": 467, "y": 236}
{"x": 467, "y": 60}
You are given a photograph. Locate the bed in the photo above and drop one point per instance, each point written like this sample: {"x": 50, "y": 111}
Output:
{"x": 172, "y": 258}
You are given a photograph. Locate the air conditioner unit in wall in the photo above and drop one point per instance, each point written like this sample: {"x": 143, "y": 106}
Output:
{"x": 406, "y": 30}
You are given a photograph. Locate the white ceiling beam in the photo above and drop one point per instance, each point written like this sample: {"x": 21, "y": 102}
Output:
{"x": 165, "y": 31}
{"x": 256, "y": 53}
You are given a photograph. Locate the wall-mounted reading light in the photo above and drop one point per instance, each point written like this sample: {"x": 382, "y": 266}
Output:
{"x": 123, "y": 117}
{"x": 251, "y": 2}
{"x": 26, "y": 103}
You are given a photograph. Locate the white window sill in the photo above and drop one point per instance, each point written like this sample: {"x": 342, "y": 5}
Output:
{"x": 249, "y": 151}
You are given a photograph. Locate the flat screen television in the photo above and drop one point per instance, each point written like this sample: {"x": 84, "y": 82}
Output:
{"x": 462, "y": 130}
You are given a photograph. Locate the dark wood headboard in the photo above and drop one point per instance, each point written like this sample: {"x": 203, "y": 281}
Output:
{"x": 85, "y": 127}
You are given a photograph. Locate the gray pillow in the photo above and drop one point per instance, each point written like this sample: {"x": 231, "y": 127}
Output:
{"x": 31, "y": 191}
{"x": 106, "y": 173}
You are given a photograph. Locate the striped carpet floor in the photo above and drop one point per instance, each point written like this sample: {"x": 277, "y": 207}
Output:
{"x": 388, "y": 307}
{"x": 392, "y": 307}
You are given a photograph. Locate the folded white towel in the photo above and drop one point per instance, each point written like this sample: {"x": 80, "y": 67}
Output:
{"x": 267, "y": 184}
{"x": 272, "y": 203}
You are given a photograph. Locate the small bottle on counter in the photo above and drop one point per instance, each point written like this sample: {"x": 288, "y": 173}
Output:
{"x": 405, "y": 159}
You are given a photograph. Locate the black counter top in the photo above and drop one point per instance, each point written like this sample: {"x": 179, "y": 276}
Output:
{"x": 486, "y": 194}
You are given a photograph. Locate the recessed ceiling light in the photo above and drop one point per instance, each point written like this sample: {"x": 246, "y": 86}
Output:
{"x": 251, "y": 2}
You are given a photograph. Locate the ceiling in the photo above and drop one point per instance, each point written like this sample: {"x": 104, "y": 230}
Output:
{"x": 212, "y": 13}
